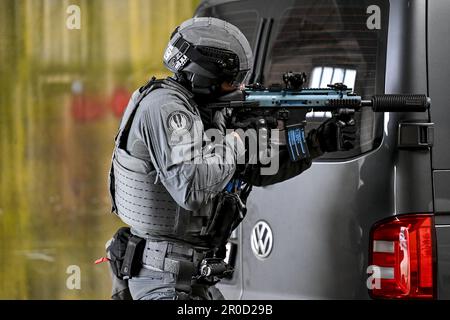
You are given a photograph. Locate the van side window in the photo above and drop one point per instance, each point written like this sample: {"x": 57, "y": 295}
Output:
{"x": 331, "y": 41}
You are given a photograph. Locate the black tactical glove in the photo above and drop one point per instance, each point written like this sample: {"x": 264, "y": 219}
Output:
{"x": 254, "y": 122}
{"x": 221, "y": 120}
{"x": 337, "y": 134}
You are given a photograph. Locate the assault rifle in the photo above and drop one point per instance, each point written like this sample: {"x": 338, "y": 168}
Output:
{"x": 291, "y": 103}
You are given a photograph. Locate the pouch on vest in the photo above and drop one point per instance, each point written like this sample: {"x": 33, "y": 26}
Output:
{"x": 230, "y": 210}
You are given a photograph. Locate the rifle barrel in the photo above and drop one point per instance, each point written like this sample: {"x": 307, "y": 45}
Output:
{"x": 398, "y": 103}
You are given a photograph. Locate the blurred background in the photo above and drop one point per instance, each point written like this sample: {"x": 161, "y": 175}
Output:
{"x": 62, "y": 94}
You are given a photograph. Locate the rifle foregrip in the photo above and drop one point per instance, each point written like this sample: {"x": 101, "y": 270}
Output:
{"x": 400, "y": 103}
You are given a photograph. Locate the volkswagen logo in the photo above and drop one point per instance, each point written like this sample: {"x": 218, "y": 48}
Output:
{"x": 261, "y": 240}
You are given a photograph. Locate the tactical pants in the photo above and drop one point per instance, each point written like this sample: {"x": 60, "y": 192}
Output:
{"x": 157, "y": 285}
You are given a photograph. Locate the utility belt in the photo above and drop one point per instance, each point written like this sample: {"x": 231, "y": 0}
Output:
{"x": 129, "y": 253}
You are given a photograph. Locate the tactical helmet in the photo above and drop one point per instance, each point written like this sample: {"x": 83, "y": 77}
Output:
{"x": 208, "y": 51}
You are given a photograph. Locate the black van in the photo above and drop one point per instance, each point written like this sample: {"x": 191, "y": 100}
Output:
{"x": 373, "y": 221}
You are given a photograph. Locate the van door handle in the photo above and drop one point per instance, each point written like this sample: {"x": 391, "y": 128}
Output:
{"x": 415, "y": 135}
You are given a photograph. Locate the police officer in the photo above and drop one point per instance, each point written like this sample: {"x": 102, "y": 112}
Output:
{"x": 167, "y": 183}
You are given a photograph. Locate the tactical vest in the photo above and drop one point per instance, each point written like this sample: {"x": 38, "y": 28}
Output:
{"x": 138, "y": 198}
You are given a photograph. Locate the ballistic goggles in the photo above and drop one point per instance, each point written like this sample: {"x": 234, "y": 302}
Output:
{"x": 220, "y": 63}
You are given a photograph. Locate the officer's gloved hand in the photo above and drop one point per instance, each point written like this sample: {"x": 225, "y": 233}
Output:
{"x": 256, "y": 122}
{"x": 337, "y": 134}
{"x": 221, "y": 120}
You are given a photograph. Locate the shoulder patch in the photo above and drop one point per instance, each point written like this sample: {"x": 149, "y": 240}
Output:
{"x": 179, "y": 122}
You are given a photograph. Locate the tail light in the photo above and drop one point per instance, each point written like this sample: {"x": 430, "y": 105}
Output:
{"x": 402, "y": 258}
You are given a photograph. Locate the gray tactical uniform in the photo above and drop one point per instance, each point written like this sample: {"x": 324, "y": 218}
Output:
{"x": 164, "y": 188}
{"x": 163, "y": 182}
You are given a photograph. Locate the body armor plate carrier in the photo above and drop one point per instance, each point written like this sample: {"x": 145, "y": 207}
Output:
{"x": 143, "y": 203}
{"x": 138, "y": 198}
